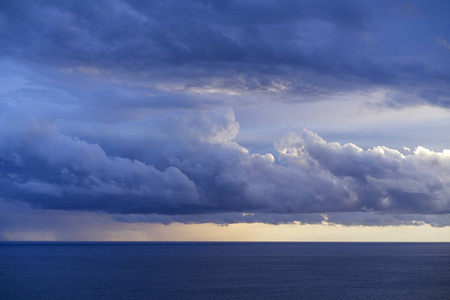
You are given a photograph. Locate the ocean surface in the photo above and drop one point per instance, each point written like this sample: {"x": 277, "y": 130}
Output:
{"x": 224, "y": 270}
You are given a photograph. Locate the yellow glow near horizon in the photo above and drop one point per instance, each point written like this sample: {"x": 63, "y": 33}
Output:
{"x": 291, "y": 232}
{"x": 52, "y": 225}
{"x": 246, "y": 232}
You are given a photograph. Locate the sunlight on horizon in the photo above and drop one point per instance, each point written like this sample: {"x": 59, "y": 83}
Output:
{"x": 247, "y": 232}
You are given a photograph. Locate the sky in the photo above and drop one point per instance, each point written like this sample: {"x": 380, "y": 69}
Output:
{"x": 225, "y": 120}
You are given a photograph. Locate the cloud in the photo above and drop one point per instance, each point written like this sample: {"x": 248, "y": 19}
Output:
{"x": 343, "y": 218}
{"x": 443, "y": 42}
{"x": 120, "y": 107}
{"x": 188, "y": 164}
{"x": 298, "y": 48}
{"x": 436, "y": 97}
{"x": 63, "y": 172}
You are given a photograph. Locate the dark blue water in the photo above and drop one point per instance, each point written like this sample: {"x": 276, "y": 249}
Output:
{"x": 225, "y": 271}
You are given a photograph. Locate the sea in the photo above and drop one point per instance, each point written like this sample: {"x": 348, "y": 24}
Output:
{"x": 224, "y": 270}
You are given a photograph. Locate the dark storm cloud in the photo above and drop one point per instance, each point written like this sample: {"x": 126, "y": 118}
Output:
{"x": 327, "y": 45}
{"x": 187, "y": 164}
{"x": 436, "y": 97}
{"x": 105, "y": 107}
{"x": 52, "y": 169}
{"x": 134, "y": 32}
{"x": 343, "y": 218}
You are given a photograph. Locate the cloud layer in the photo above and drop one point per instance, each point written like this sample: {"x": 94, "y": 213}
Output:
{"x": 188, "y": 164}
{"x": 297, "y": 48}
{"x": 128, "y": 108}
